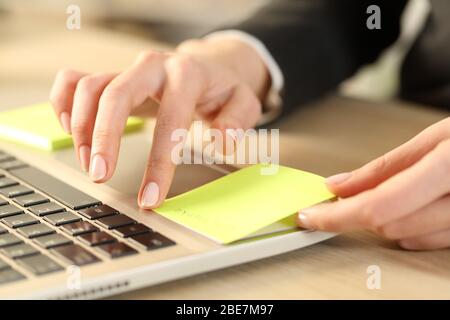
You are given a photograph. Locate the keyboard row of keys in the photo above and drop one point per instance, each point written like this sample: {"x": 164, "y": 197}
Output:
{"x": 26, "y": 255}
{"x": 55, "y": 188}
{"x": 14, "y": 217}
{"x": 73, "y": 225}
{"x": 105, "y": 217}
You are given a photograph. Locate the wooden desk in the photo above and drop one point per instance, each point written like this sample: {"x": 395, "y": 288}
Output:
{"x": 332, "y": 136}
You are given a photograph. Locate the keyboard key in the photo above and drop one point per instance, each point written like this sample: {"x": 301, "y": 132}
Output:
{"x": 3, "y": 265}
{"x": 117, "y": 250}
{"x": 40, "y": 264}
{"x": 152, "y": 241}
{"x": 3, "y": 230}
{"x": 3, "y": 202}
{"x": 12, "y": 164}
{"x": 132, "y": 230}
{"x": 19, "y": 220}
{"x": 15, "y": 191}
{"x": 80, "y": 227}
{"x": 76, "y": 255}
{"x": 9, "y": 210}
{"x": 36, "y": 230}
{"x": 9, "y": 239}
{"x": 58, "y": 219}
{"x": 7, "y": 182}
{"x": 10, "y": 275}
{"x": 97, "y": 238}
{"x": 98, "y": 212}
{"x": 19, "y": 251}
{"x": 116, "y": 221}
{"x": 47, "y": 208}
{"x": 52, "y": 241}
{"x": 55, "y": 188}
{"x": 31, "y": 200}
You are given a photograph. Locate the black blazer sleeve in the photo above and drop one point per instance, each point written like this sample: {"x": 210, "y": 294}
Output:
{"x": 320, "y": 43}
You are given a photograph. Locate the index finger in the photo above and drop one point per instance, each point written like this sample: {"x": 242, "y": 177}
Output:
{"x": 384, "y": 167}
{"x": 181, "y": 93}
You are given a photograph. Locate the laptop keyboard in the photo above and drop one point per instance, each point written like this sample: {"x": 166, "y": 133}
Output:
{"x": 47, "y": 225}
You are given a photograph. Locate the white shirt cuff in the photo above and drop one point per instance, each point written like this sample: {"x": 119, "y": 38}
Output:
{"x": 273, "y": 101}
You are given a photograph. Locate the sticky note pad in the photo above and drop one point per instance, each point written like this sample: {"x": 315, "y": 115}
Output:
{"x": 38, "y": 126}
{"x": 243, "y": 202}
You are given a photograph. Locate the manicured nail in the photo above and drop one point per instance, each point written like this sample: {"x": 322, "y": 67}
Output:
{"x": 406, "y": 244}
{"x": 338, "y": 178}
{"x": 303, "y": 221}
{"x": 65, "y": 122}
{"x": 98, "y": 168}
{"x": 150, "y": 196}
{"x": 85, "y": 156}
{"x": 303, "y": 217}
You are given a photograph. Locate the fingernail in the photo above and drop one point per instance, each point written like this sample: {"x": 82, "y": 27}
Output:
{"x": 65, "y": 122}
{"x": 406, "y": 244}
{"x": 98, "y": 168}
{"x": 85, "y": 156}
{"x": 151, "y": 195}
{"x": 338, "y": 178}
{"x": 303, "y": 217}
{"x": 303, "y": 221}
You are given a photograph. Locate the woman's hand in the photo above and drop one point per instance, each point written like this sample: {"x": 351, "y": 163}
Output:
{"x": 220, "y": 80}
{"x": 404, "y": 195}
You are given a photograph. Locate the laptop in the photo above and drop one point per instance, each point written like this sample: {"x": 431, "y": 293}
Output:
{"x": 64, "y": 237}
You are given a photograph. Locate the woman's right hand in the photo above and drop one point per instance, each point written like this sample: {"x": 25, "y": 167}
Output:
{"x": 220, "y": 80}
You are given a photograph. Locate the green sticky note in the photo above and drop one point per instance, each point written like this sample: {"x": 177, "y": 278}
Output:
{"x": 37, "y": 126}
{"x": 239, "y": 204}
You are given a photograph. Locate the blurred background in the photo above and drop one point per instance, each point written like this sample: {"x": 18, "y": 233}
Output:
{"x": 35, "y": 42}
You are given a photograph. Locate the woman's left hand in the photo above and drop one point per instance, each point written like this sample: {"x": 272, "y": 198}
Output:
{"x": 403, "y": 195}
